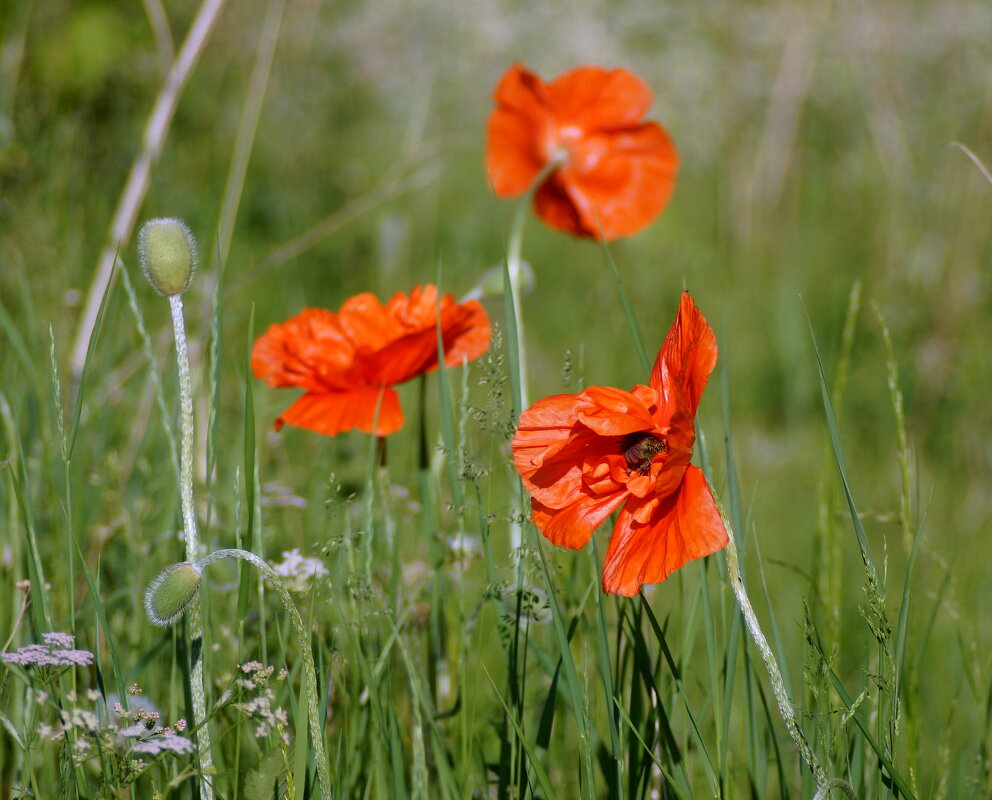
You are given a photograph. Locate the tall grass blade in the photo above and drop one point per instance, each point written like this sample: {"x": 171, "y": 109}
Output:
{"x": 90, "y": 349}
{"x": 533, "y": 762}
{"x": 828, "y": 410}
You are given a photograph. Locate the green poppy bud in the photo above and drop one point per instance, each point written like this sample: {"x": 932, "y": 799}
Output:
{"x": 167, "y": 251}
{"x": 170, "y": 594}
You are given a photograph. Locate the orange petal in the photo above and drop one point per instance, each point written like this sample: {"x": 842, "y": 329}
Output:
{"x": 554, "y": 205}
{"x": 613, "y": 412}
{"x": 685, "y": 360}
{"x": 307, "y": 351}
{"x": 617, "y": 182}
{"x": 367, "y": 323}
{"x": 573, "y": 525}
{"x": 516, "y": 132}
{"x": 552, "y": 454}
{"x": 684, "y": 526}
{"x": 542, "y": 431}
{"x": 465, "y": 332}
{"x": 332, "y": 413}
{"x": 593, "y": 98}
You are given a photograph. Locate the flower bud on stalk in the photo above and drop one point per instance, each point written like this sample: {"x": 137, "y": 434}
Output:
{"x": 167, "y": 251}
{"x": 171, "y": 593}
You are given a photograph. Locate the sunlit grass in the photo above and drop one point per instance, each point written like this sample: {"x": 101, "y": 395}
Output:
{"x": 451, "y": 663}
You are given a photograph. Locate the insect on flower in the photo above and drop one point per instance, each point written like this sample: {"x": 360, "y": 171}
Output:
{"x": 348, "y": 361}
{"x": 583, "y": 456}
{"x": 604, "y": 172}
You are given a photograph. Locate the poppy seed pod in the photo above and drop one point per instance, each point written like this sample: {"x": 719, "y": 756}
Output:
{"x": 167, "y": 252}
{"x": 171, "y": 592}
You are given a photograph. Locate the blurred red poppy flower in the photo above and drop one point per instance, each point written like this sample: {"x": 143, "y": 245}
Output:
{"x": 583, "y": 456}
{"x": 347, "y": 360}
{"x": 610, "y": 173}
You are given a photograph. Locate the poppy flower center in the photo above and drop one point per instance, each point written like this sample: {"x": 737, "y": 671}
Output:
{"x": 640, "y": 448}
{"x": 559, "y": 142}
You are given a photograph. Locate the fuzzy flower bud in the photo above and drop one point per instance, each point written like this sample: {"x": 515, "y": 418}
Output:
{"x": 167, "y": 251}
{"x": 170, "y": 594}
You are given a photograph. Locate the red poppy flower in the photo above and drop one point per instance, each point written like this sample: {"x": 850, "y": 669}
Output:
{"x": 583, "y": 456}
{"x": 347, "y": 361}
{"x": 614, "y": 173}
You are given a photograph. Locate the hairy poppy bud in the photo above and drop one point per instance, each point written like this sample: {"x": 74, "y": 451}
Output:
{"x": 171, "y": 592}
{"x": 491, "y": 282}
{"x": 167, "y": 251}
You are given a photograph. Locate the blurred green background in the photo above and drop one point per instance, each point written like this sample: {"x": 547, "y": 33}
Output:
{"x": 815, "y": 144}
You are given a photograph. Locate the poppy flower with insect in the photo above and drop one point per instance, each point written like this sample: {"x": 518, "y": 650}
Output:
{"x": 583, "y": 456}
{"x": 347, "y": 362}
{"x": 603, "y": 171}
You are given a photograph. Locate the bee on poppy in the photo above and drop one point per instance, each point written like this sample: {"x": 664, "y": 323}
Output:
{"x": 584, "y": 456}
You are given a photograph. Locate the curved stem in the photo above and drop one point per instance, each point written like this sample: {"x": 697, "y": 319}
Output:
{"x": 195, "y": 642}
{"x": 310, "y": 674}
{"x": 774, "y": 673}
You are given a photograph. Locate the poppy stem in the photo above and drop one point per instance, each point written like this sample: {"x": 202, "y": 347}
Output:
{"x": 514, "y": 276}
{"x": 306, "y": 652}
{"x": 785, "y": 706}
{"x": 195, "y": 627}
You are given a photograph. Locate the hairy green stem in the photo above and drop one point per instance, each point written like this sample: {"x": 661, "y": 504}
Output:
{"x": 310, "y": 674}
{"x": 515, "y": 269}
{"x": 824, "y": 785}
{"x": 195, "y": 628}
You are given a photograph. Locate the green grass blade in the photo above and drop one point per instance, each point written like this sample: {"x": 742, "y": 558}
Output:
{"x": 90, "y": 349}
{"x": 9, "y": 328}
{"x": 697, "y": 734}
{"x": 828, "y": 410}
{"x": 154, "y": 371}
{"x": 628, "y": 310}
{"x": 448, "y": 436}
{"x": 533, "y": 762}
{"x": 879, "y": 751}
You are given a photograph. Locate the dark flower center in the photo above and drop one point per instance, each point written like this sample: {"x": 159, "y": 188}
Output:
{"x": 640, "y": 448}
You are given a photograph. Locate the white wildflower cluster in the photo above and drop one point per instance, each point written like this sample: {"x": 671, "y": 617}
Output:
{"x": 298, "y": 571}
{"x": 257, "y": 700}
{"x": 56, "y": 651}
{"x": 125, "y": 735}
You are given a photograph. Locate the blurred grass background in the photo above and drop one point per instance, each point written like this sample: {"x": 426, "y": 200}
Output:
{"x": 816, "y": 152}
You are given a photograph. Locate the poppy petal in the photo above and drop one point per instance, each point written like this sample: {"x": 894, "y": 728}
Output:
{"x": 554, "y": 205}
{"x": 542, "y": 431}
{"x": 517, "y": 132}
{"x": 685, "y": 360}
{"x": 307, "y": 351}
{"x": 595, "y": 99}
{"x": 613, "y": 412}
{"x": 618, "y": 182}
{"x": 553, "y": 454}
{"x": 465, "y": 333}
{"x": 684, "y": 526}
{"x": 572, "y": 526}
{"x": 332, "y": 413}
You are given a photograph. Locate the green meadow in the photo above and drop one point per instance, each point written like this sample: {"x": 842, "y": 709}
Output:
{"x": 832, "y": 219}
